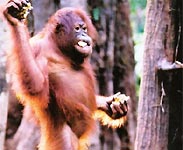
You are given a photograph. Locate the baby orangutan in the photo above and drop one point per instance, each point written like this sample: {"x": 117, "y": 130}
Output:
{"x": 52, "y": 74}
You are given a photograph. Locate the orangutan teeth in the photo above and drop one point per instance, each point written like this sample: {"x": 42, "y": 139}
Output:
{"x": 82, "y": 43}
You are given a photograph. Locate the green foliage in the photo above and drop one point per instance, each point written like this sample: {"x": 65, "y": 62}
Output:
{"x": 138, "y": 15}
{"x": 137, "y": 4}
{"x": 96, "y": 14}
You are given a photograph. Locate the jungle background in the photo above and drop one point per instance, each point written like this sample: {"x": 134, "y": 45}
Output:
{"x": 139, "y": 53}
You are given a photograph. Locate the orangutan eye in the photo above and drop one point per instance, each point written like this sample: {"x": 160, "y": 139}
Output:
{"x": 77, "y": 28}
{"x": 85, "y": 29}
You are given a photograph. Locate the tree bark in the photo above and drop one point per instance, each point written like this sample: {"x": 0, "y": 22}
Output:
{"x": 113, "y": 60}
{"x": 155, "y": 94}
{"x": 123, "y": 70}
{"x": 151, "y": 129}
{"x": 103, "y": 17}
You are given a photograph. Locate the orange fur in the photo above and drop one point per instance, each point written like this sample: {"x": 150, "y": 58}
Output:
{"x": 60, "y": 91}
{"x": 62, "y": 97}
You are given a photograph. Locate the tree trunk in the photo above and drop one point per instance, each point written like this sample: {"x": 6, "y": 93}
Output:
{"x": 174, "y": 87}
{"x": 123, "y": 71}
{"x": 43, "y": 9}
{"x": 156, "y": 93}
{"x": 113, "y": 60}
{"x": 103, "y": 17}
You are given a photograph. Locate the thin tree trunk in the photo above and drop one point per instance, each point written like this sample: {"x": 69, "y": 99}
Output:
{"x": 124, "y": 63}
{"x": 103, "y": 17}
